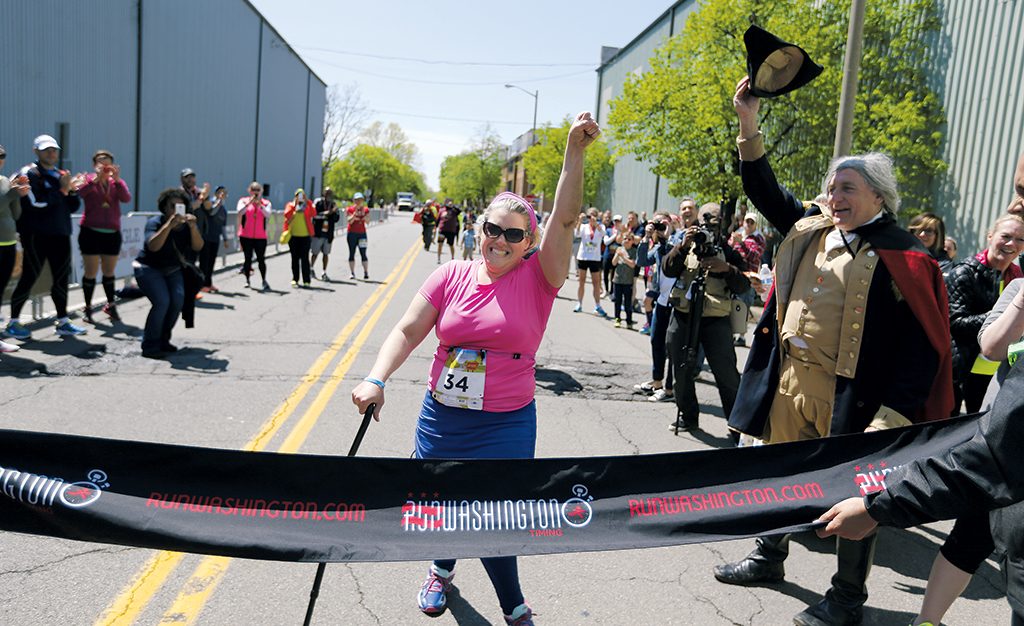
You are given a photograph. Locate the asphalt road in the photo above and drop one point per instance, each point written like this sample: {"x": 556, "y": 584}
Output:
{"x": 288, "y": 359}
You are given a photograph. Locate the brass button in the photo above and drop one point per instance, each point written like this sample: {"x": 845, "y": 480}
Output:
{"x": 764, "y": 331}
{"x": 855, "y": 326}
{"x": 853, "y": 340}
{"x": 853, "y": 355}
{"x": 863, "y": 282}
{"x": 860, "y": 296}
{"x": 869, "y": 266}
{"x": 846, "y": 371}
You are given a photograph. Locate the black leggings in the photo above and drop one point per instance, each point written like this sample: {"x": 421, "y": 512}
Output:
{"x": 299, "y": 248}
{"x": 208, "y": 260}
{"x": 7, "y": 256}
{"x": 970, "y": 542}
{"x": 39, "y": 249}
{"x": 622, "y": 296}
{"x": 259, "y": 246}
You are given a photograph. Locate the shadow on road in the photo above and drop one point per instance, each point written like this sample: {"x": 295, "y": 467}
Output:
{"x": 463, "y": 612}
{"x": 197, "y": 360}
{"x": 557, "y": 381}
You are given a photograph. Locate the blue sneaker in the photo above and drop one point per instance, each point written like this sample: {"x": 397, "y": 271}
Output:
{"x": 646, "y": 330}
{"x": 16, "y": 330}
{"x": 577, "y": 308}
{"x": 67, "y": 329}
{"x": 598, "y": 311}
{"x": 433, "y": 599}
{"x": 522, "y": 616}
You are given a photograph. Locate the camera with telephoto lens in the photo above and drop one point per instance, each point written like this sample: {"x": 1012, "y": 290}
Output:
{"x": 707, "y": 241}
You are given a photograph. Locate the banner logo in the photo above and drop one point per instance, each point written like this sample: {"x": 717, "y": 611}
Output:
{"x": 870, "y": 478}
{"x": 85, "y": 492}
{"x": 577, "y": 511}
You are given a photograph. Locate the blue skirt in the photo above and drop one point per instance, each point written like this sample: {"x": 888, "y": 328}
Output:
{"x": 444, "y": 432}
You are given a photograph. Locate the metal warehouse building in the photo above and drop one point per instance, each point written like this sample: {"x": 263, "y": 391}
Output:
{"x": 164, "y": 85}
{"x": 981, "y": 84}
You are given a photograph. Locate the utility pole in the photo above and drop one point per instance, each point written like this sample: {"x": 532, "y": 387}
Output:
{"x": 851, "y": 68}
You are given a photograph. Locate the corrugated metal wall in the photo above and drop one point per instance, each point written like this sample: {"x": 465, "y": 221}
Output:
{"x": 282, "y": 136}
{"x": 77, "y": 69}
{"x": 978, "y": 60}
{"x": 981, "y": 73}
{"x": 633, "y": 186}
{"x": 203, "y": 65}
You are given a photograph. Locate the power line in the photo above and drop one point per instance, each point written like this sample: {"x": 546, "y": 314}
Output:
{"x": 435, "y": 62}
{"x": 449, "y": 119}
{"x": 437, "y": 82}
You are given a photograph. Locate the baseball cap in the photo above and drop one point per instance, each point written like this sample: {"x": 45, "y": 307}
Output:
{"x": 188, "y": 171}
{"x": 357, "y": 196}
{"x": 617, "y": 218}
{"x": 42, "y": 142}
{"x": 750, "y": 216}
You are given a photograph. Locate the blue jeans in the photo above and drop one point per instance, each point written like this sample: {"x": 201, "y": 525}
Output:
{"x": 167, "y": 294}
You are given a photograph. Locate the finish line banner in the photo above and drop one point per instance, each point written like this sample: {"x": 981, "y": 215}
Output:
{"x": 315, "y": 508}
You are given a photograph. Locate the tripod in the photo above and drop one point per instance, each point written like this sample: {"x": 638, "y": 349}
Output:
{"x": 696, "y": 290}
{"x": 320, "y": 567}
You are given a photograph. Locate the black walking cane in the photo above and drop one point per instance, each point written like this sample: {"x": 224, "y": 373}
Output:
{"x": 320, "y": 567}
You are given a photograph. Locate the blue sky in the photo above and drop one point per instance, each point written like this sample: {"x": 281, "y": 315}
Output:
{"x": 564, "y": 36}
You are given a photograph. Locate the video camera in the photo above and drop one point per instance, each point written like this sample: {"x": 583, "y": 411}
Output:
{"x": 707, "y": 241}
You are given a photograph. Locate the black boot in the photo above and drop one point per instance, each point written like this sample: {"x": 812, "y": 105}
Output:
{"x": 843, "y": 604}
{"x": 763, "y": 565}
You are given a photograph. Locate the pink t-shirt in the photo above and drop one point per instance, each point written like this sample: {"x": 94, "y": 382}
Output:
{"x": 505, "y": 318}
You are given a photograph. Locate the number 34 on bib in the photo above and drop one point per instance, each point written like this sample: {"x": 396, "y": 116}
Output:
{"x": 461, "y": 383}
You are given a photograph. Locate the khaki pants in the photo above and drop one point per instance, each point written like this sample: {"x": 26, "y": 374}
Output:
{"x": 802, "y": 407}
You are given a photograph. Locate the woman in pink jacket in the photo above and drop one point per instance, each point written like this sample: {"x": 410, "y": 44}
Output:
{"x": 253, "y": 212}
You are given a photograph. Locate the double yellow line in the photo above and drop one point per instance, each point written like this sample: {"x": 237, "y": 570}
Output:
{"x": 126, "y": 608}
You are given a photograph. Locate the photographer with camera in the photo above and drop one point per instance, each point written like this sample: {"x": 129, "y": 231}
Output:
{"x": 707, "y": 274}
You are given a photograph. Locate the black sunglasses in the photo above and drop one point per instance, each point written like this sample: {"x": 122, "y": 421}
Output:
{"x": 512, "y": 235}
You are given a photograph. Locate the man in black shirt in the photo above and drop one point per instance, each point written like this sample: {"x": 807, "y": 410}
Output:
{"x": 324, "y": 224}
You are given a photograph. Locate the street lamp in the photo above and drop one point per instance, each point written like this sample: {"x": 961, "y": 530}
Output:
{"x": 533, "y": 134}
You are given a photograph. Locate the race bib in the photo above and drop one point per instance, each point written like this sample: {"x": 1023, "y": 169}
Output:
{"x": 461, "y": 383}
{"x": 363, "y": 243}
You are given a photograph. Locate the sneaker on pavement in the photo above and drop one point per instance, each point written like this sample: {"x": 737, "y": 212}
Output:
{"x": 16, "y": 330}
{"x": 351, "y": 275}
{"x": 366, "y": 276}
{"x": 740, "y": 341}
{"x": 661, "y": 395}
{"x": 618, "y": 323}
{"x": 8, "y": 347}
{"x": 433, "y": 596}
{"x": 312, "y": 274}
{"x": 647, "y": 387}
{"x": 67, "y": 329}
{"x": 87, "y": 314}
{"x": 522, "y": 616}
{"x": 577, "y": 308}
{"x": 266, "y": 286}
{"x": 646, "y": 330}
{"x": 306, "y": 285}
{"x": 324, "y": 277}
{"x": 598, "y": 311}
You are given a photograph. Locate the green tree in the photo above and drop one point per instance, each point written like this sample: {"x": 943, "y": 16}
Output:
{"x": 475, "y": 174}
{"x": 393, "y": 139}
{"x": 543, "y": 162}
{"x": 367, "y": 168}
{"x": 678, "y": 116}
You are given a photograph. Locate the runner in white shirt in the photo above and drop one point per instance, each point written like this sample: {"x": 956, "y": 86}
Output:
{"x": 591, "y": 234}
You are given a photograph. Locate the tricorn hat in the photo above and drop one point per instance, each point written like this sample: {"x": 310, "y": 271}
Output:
{"x": 776, "y": 67}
